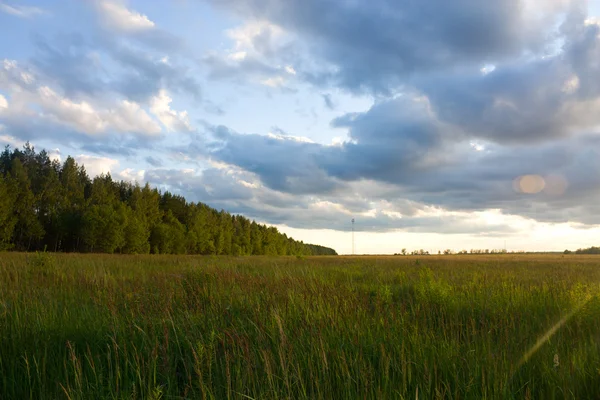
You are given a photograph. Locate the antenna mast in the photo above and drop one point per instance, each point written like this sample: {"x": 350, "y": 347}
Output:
{"x": 352, "y": 236}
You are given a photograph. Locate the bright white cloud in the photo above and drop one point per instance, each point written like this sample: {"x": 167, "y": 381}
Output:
{"x": 95, "y": 166}
{"x": 81, "y": 116}
{"x": 274, "y": 82}
{"x": 10, "y": 140}
{"x": 124, "y": 117}
{"x": 259, "y": 46}
{"x": 571, "y": 85}
{"x": 129, "y": 116}
{"x": 87, "y": 116}
{"x": 55, "y": 155}
{"x": 131, "y": 175}
{"x": 300, "y": 139}
{"x": 174, "y": 121}
{"x": 237, "y": 56}
{"x": 21, "y": 11}
{"x": 245, "y": 36}
{"x": 118, "y": 16}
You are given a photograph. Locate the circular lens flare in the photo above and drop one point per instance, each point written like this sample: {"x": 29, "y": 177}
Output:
{"x": 556, "y": 185}
{"x": 529, "y": 184}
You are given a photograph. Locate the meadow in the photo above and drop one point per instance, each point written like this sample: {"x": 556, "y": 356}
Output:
{"x": 189, "y": 327}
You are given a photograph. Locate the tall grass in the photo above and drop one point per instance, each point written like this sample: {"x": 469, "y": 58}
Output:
{"x": 150, "y": 327}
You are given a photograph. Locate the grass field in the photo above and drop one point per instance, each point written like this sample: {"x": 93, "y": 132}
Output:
{"x": 149, "y": 327}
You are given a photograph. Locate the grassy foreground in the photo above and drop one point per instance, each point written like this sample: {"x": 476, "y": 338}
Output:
{"x": 150, "y": 327}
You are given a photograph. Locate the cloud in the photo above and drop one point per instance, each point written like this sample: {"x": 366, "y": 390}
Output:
{"x": 130, "y": 175}
{"x": 239, "y": 191}
{"x": 115, "y": 16}
{"x": 107, "y": 65}
{"x": 374, "y": 46}
{"x": 328, "y": 101}
{"x": 260, "y": 54}
{"x": 145, "y": 74}
{"x": 172, "y": 120}
{"x": 408, "y": 154}
{"x": 119, "y": 17}
{"x": 154, "y": 161}
{"x": 21, "y": 11}
{"x": 95, "y": 166}
{"x": 32, "y": 99}
{"x": 297, "y": 169}
{"x": 534, "y": 101}
{"x": 54, "y": 155}
{"x": 10, "y": 140}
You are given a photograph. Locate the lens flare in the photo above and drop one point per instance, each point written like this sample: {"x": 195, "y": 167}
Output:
{"x": 556, "y": 185}
{"x": 529, "y": 184}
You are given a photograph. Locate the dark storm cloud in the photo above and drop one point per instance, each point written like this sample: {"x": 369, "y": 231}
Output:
{"x": 525, "y": 102}
{"x": 283, "y": 164}
{"x": 454, "y": 138}
{"x": 375, "y": 45}
{"x": 422, "y": 165}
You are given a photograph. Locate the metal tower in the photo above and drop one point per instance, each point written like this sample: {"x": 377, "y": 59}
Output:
{"x": 352, "y": 236}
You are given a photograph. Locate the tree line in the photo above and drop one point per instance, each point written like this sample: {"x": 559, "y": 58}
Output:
{"x": 589, "y": 250}
{"x": 48, "y": 205}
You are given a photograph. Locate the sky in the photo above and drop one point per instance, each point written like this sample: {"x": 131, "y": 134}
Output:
{"x": 433, "y": 124}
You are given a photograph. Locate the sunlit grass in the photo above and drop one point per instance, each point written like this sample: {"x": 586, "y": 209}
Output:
{"x": 149, "y": 327}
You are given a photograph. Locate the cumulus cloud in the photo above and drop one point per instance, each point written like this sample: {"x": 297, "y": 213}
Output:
{"x": 81, "y": 67}
{"x": 32, "y": 99}
{"x": 242, "y": 192}
{"x": 375, "y": 45}
{"x": 261, "y": 53}
{"x": 174, "y": 121}
{"x": 95, "y": 166}
{"x": 117, "y": 15}
{"x": 453, "y": 137}
{"x": 526, "y": 102}
{"x": 484, "y": 115}
{"x": 410, "y": 155}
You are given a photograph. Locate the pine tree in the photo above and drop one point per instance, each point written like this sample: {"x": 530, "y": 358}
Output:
{"x": 7, "y": 216}
{"x": 28, "y": 227}
{"x": 46, "y": 204}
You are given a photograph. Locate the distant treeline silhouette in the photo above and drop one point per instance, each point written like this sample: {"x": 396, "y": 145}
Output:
{"x": 590, "y": 250}
{"x": 48, "y": 205}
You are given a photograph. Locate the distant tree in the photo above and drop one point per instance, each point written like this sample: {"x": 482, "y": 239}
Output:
{"x": 168, "y": 236}
{"x": 590, "y": 250}
{"x": 28, "y": 228}
{"x": 74, "y": 182}
{"x": 8, "y": 219}
{"x": 137, "y": 234}
{"x": 46, "y": 204}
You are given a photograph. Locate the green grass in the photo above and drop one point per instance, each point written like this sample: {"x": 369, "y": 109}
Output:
{"x": 150, "y": 327}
